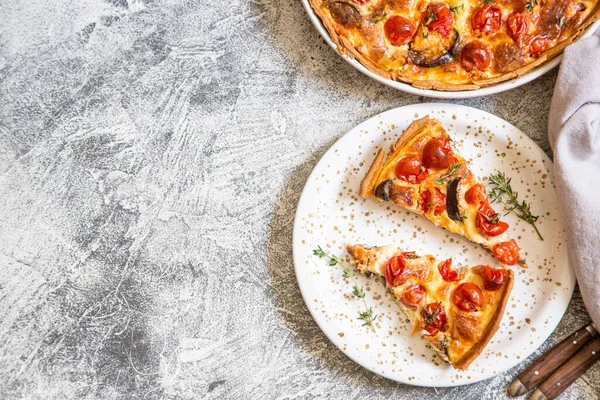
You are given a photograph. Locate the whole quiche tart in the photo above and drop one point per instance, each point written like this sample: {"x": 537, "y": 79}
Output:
{"x": 454, "y": 44}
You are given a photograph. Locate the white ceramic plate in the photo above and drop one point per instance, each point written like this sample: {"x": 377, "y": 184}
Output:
{"x": 463, "y": 94}
{"x": 330, "y": 214}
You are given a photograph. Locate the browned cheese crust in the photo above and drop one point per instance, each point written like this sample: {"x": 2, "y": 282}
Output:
{"x": 491, "y": 329}
{"x": 455, "y": 77}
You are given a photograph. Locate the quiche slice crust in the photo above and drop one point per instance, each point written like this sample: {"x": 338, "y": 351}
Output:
{"x": 457, "y": 331}
{"x": 438, "y": 184}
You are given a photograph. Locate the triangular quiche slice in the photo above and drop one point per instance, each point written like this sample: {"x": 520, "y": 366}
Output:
{"x": 457, "y": 310}
{"x": 424, "y": 174}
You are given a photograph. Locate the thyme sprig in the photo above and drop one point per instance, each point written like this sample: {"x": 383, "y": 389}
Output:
{"x": 431, "y": 16}
{"x": 492, "y": 219}
{"x": 503, "y": 193}
{"x": 357, "y": 290}
{"x": 451, "y": 173}
{"x": 429, "y": 318}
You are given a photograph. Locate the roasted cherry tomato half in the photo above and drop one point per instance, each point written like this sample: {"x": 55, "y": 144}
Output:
{"x": 476, "y": 56}
{"x": 493, "y": 278}
{"x": 507, "y": 252}
{"x": 517, "y": 25}
{"x": 489, "y": 222}
{"x": 394, "y": 271}
{"x": 398, "y": 30}
{"x": 437, "y": 153}
{"x": 476, "y": 194}
{"x": 537, "y": 46}
{"x": 437, "y": 17}
{"x": 434, "y": 319}
{"x": 433, "y": 199}
{"x": 413, "y": 295}
{"x": 468, "y": 297}
{"x": 447, "y": 273}
{"x": 411, "y": 170}
{"x": 487, "y": 18}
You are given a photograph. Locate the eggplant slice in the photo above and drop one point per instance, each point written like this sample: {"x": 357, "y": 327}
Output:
{"x": 383, "y": 190}
{"x": 452, "y": 207}
{"x": 430, "y": 49}
{"x": 345, "y": 14}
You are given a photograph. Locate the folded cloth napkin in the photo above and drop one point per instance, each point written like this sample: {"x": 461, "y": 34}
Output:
{"x": 574, "y": 134}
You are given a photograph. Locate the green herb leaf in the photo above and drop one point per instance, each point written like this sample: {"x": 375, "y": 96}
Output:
{"x": 368, "y": 317}
{"x": 357, "y": 290}
{"x": 431, "y": 16}
{"x": 530, "y": 5}
{"x": 319, "y": 252}
{"x": 492, "y": 219}
{"x": 425, "y": 35}
{"x": 562, "y": 22}
{"x": 455, "y": 9}
{"x": 503, "y": 193}
{"x": 450, "y": 174}
{"x": 429, "y": 318}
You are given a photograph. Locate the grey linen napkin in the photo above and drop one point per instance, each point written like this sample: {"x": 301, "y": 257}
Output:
{"x": 574, "y": 134}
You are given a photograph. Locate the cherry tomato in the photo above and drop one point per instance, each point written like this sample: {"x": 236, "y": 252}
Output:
{"x": 476, "y": 194}
{"x": 433, "y": 199}
{"x": 413, "y": 295}
{"x": 394, "y": 271}
{"x": 434, "y": 319}
{"x": 437, "y": 17}
{"x": 475, "y": 55}
{"x": 507, "y": 252}
{"x": 398, "y": 30}
{"x": 493, "y": 278}
{"x": 410, "y": 169}
{"x": 437, "y": 153}
{"x": 517, "y": 25}
{"x": 468, "y": 297}
{"x": 487, "y": 18}
{"x": 537, "y": 45}
{"x": 447, "y": 274}
{"x": 484, "y": 222}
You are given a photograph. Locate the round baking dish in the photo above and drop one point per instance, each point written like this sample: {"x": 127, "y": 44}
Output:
{"x": 462, "y": 94}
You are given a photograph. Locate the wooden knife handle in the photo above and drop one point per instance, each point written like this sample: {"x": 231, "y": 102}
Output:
{"x": 541, "y": 368}
{"x": 568, "y": 372}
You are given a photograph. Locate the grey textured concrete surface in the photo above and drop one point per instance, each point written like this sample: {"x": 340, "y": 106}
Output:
{"x": 151, "y": 157}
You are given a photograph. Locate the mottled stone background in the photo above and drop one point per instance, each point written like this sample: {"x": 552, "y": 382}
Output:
{"x": 151, "y": 157}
